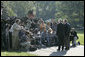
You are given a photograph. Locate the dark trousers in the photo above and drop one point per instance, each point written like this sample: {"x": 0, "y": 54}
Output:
{"x": 61, "y": 44}
{"x": 7, "y": 41}
{"x": 3, "y": 42}
{"x": 67, "y": 42}
{"x": 10, "y": 39}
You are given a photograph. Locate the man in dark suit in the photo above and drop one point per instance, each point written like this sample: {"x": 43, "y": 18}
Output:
{"x": 66, "y": 34}
{"x": 60, "y": 33}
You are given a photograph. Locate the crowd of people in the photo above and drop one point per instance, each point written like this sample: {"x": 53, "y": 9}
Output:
{"x": 31, "y": 33}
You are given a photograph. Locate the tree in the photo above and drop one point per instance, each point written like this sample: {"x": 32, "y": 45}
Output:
{"x": 71, "y": 10}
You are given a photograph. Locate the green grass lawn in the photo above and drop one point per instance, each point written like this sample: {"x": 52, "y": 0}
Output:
{"x": 81, "y": 37}
{"x": 16, "y": 54}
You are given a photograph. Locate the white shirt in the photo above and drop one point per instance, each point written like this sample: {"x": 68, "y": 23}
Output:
{"x": 15, "y": 26}
{"x": 11, "y": 29}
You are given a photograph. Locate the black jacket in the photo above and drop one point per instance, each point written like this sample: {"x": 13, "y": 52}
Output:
{"x": 67, "y": 29}
{"x": 60, "y": 29}
{"x": 72, "y": 35}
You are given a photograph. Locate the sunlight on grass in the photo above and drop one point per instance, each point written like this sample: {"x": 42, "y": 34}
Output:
{"x": 81, "y": 38}
{"x": 16, "y": 54}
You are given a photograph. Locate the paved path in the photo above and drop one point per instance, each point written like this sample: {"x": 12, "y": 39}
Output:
{"x": 52, "y": 51}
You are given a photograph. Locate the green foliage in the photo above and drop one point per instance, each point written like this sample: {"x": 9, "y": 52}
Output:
{"x": 71, "y": 10}
{"x": 10, "y": 12}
